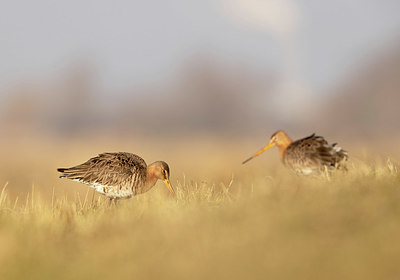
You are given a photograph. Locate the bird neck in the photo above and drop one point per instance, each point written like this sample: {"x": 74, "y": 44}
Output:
{"x": 151, "y": 178}
{"x": 283, "y": 144}
{"x": 149, "y": 182}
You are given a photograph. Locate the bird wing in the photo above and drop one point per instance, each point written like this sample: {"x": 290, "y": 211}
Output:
{"x": 108, "y": 169}
{"x": 314, "y": 152}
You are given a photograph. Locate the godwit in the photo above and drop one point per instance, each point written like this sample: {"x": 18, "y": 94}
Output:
{"x": 306, "y": 156}
{"x": 119, "y": 175}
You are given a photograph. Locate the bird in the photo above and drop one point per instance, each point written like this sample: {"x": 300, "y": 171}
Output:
{"x": 311, "y": 155}
{"x": 119, "y": 175}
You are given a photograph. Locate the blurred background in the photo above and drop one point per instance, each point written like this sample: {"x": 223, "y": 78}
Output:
{"x": 223, "y": 66}
{"x": 157, "y": 77}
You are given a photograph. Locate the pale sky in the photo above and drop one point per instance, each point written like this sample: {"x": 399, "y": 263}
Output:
{"x": 137, "y": 42}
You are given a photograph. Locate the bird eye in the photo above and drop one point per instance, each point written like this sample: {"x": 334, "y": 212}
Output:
{"x": 163, "y": 171}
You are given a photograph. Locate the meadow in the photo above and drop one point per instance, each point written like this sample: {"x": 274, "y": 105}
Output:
{"x": 228, "y": 221}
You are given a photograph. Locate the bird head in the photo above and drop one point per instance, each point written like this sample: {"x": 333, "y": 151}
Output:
{"x": 279, "y": 139}
{"x": 160, "y": 170}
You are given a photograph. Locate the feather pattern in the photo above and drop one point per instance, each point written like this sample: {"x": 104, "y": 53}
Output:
{"x": 116, "y": 175}
{"x": 312, "y": 155}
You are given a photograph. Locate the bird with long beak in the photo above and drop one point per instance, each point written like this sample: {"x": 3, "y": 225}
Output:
{"x": 119, "y": 175}
{"x": 307, "y": 156}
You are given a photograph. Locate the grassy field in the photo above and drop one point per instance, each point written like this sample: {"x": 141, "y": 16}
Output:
{"x": 228, "y": 221}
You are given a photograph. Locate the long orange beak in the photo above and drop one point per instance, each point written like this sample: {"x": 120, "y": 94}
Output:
{"x": 270, "y": 145}
{"x": 168, "y": 184}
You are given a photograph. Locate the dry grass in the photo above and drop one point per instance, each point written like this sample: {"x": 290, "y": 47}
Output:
{"x": 254, "y": 224}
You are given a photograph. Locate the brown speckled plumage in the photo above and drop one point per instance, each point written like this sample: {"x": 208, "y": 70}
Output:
{"x": 118, "y": 175}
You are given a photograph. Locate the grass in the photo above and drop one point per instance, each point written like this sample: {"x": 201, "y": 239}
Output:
{"x": 254, "y": 224}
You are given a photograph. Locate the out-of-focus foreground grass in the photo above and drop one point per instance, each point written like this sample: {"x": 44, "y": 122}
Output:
{"x": 229, "y": 221}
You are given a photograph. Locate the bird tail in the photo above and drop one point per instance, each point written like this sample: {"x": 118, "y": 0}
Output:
{"x": 65, "y": 172}
{"x": 341, "y": 156}
{"x": 74, "y": 173}
{"x": 61, "y": 170}
{"x": 340, "y": 153}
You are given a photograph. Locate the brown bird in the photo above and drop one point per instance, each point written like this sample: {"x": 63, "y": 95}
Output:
{"x": 308, "y": 156}
{"x": 119, "y": 175}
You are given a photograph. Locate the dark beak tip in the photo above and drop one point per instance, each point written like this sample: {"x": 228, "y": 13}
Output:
{"x": 246, "y": 160}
